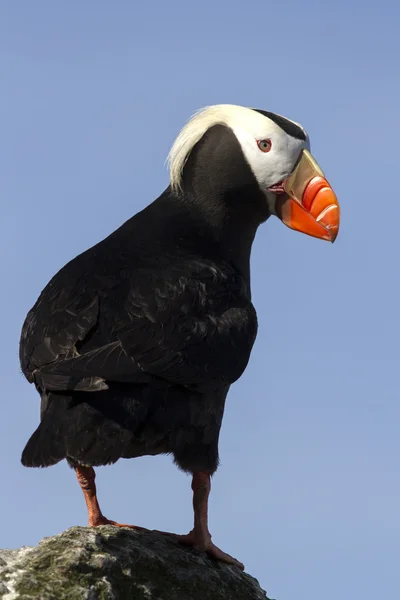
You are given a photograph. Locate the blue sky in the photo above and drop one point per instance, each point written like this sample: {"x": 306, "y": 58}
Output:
{"x": 93, "y": 94}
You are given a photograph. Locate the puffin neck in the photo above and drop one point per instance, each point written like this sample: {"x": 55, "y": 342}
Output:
{"x": 234, "y": 232}
{"x": 220, "y": 187}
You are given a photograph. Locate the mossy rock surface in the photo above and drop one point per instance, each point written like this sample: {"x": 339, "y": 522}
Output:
{"x": 108, "y": 563}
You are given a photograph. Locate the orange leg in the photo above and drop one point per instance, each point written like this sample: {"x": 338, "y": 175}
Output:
{"x": 86, "y": 477}
{"x": 200, "y": 536}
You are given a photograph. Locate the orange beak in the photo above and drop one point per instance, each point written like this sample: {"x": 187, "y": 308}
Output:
{"x": 312, "y": 206}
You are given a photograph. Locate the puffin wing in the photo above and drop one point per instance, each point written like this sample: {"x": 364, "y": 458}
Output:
{"x": 191, "y": 327}
{"x": 54, "y": 350}
{"x": 89, "y": 372}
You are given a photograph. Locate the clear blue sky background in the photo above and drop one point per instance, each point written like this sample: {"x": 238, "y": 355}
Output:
{"x": 92, "y": 96}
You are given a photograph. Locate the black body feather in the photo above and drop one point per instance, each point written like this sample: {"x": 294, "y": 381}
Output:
{"x": 134, "y": 343}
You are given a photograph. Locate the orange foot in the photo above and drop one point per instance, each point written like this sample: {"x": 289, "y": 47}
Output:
{"x": 98, "y": 521}
{"x": 203, "y": 542}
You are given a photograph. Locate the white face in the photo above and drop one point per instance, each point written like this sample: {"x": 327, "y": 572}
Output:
{"x": 270, "y": 152}
{"x": 271, "y": 161}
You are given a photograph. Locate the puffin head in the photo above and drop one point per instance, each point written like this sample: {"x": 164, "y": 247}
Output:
{"x": 254, "y": 157}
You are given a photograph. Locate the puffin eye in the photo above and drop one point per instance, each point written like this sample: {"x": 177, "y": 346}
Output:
{"x": 264, "y": 145}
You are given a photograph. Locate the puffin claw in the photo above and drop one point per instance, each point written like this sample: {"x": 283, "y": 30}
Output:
{"x": 203, "y": 543}
{"x": 100, "y": 521}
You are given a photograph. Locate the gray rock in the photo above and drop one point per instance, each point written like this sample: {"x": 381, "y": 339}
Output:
{"x": 108, "y": 563}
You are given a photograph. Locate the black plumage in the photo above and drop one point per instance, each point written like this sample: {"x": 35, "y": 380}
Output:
{"x": 133, "y": 344}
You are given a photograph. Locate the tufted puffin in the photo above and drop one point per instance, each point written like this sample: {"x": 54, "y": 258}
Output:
{"x": 134, "y": 344}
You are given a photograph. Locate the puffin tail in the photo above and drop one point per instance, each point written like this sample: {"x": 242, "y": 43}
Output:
{"x": 46, "y": 446}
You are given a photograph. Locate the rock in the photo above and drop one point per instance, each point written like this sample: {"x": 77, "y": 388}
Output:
{"x": 108, "y": 563}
